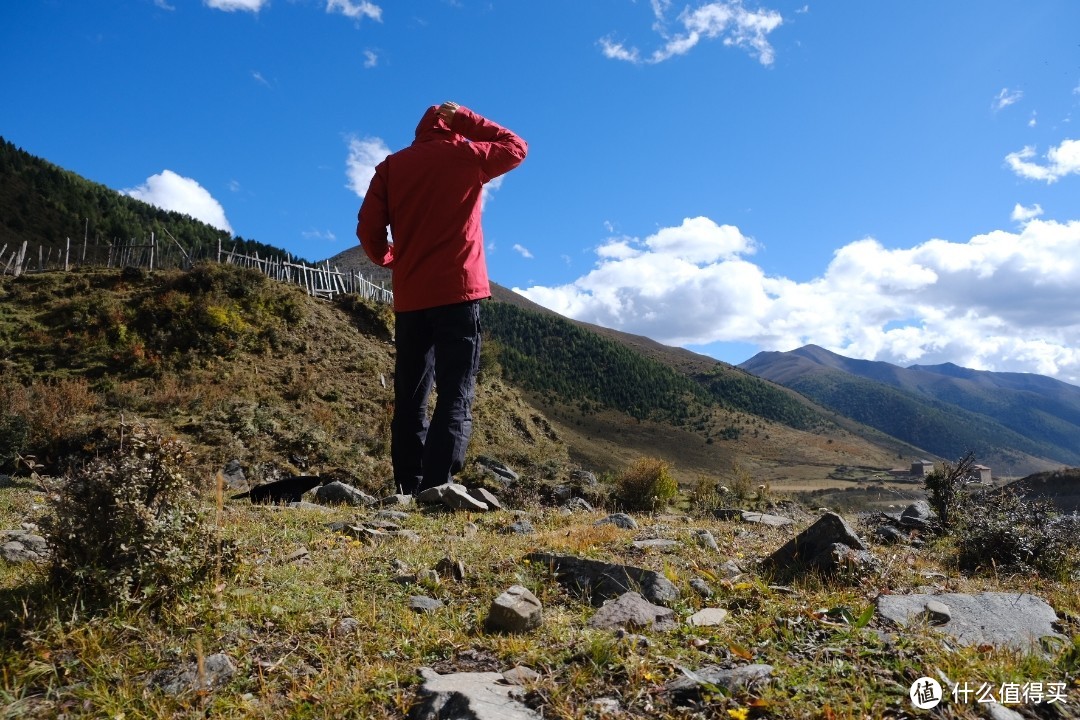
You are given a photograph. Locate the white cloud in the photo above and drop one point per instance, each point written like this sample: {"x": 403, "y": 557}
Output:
{"x": 523, "y": 251}
{"x": 617, "y": 51}
{"x": 323, "y": 235}
{"x": 1005, "y": 98}
{"x": 371, "y": 59}
{"x": 170, "y": 191}
{"x": 258, "y": 76}
{"x": 164, "y": 5}
{"x": 728, "y": 19}
{"x": 234, "y": 5}
{"x": 355, "y": 9}
{"x": 364, "y": 155}
{"x": 1023, "y": 214}
{"x": 1061, "y": 161}
{"x": 1000, "y": 301}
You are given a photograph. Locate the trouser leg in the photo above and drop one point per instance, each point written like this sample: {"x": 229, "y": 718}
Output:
{"x": 456, "y": 338}
{"x": 414, "y": 368}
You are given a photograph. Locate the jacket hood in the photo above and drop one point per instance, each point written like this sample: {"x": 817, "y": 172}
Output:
{"x": 431, "y": 126}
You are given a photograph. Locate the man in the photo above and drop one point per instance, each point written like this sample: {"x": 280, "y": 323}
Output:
{"x": 429, "y": 196}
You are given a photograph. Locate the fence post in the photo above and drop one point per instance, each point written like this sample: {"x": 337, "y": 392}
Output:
{"x": 67, "y": 254}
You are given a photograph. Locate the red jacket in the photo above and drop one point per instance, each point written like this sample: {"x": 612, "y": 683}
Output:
{"x": 429, "y": 195}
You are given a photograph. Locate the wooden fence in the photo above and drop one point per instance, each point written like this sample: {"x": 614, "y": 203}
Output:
{"x": 317, "y": 280}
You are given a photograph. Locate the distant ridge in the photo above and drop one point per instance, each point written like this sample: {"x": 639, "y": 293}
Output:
{"x": 1024, "y": 422}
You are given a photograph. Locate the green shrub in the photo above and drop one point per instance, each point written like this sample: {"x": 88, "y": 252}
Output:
{"x": 14, "y": 431}
{"x": 646, "y": 485}
{"x": 945, "y": 490}
{"x": 125, "y": 528}
{"x": 1003, "y": 532}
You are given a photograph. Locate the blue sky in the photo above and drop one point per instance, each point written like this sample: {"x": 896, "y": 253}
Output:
{"x": 893, "y": 180}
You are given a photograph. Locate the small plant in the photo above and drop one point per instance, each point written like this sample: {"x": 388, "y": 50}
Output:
{"x": 646, "y": 485}
{"x": 124, "y": 528}
{"x": 1005, "y": 532}
{"x": 945, "y": 490}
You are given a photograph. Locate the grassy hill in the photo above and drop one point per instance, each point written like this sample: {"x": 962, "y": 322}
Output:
{"x": 1018, "y": 425}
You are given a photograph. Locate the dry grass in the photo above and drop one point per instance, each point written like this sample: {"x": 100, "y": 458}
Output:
{"x": 278, "y": 617}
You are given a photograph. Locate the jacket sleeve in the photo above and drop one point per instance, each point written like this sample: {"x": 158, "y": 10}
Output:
{"x": 372, "y": 220}
{"x": 498, "y": 149}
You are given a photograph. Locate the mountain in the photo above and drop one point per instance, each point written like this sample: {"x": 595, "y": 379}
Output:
{"x": 1021, "y": 423}
{"x": 45, "y": 205}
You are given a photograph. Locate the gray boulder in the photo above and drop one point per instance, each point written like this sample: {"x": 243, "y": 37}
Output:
{"x": 515, "y": 611}
{"x": 601, "y": 580}
{"x": 631, "y": 611}
{"x": 619, "y": 520}
{"x": 694, "y": 683}
{"x": 829, "y": 545}
{"x": 338, "y": 493}
{"x": 497, "y": 469}
{"x": 917, "y": 515}
{"x": 20, "y": 546}
{"x": 1004, "y": 620}
{"x": 469, "y": 696}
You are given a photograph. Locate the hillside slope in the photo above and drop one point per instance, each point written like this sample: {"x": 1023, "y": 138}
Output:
{"x": 1020, "y": 423}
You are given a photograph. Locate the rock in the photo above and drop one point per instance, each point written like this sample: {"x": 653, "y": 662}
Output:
{"x": 578, "y": 505}
{"x": 705, "y": 539}
{"x": 424, "y": 604}
{"x": 994, "y": 711}
{"x": 701, "y": 587}
{"x": 21, "y": 546}
{"x": 601, "y": 580}
{"x": 605, "y": 707}
{"x": 917, "y": 515}
{"x": 233, "y": 474}
{"x": 520, "y": 675}
{"x": 299, "y": 556}
{"x": 397, "y": 500}
{"x": 641, "y": 643}
{"x": 888, "y": 535}
{"x": 766, "y": 519}
{"x": 583, "y": 478}
{"x": 338, "y": 493}
{"x": 655, "y": 544}
{"x": 937, "y": 612}
{"x": 688, "y": 689}
{"x": 453, "y": 496}
{"x": 392, "y": 515}
{"x": 497, "y": 469}
{"x": 217, "y": 670}
{"x": 619, "y": 520}
{"x": 562, "y": 493}
{"x": 345, "y": 626}
{"x": 514, "y": 611}
{"x": 485, "y": 497}
{"x": 708, "y": 617}
{"x": 631, "y": 611}
{"x": 829, "y": 545}
{"x": 301, "y": 505}
{"x": 450, "y": 568}
{"x": 469, "y": 696}
{"x": 1004, "y": 620}
{"x": 730, "y": 570}
{"x": 521, "y": 527}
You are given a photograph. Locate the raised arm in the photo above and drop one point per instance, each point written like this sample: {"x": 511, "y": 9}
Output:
{"x": 500, "y": 150}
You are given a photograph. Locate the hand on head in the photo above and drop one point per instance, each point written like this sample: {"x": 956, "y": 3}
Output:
{"x": 446, "y": 112}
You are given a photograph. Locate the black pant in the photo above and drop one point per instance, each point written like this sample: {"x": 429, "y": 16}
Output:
{"x": 439, "y": 345}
